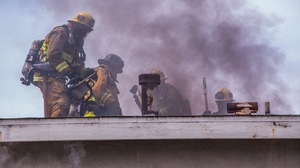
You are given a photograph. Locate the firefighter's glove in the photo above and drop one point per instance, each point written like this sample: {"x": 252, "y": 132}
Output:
{"x": 89, "y": 73}
{"x": 134, "y": 89}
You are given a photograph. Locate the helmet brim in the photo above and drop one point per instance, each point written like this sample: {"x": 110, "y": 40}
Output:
{"x": 104, "y": 61}
{"x": 85, "y": 26}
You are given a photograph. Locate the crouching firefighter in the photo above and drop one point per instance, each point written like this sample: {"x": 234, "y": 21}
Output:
{"x": 104, "y": 101}
{"x": 62, "y": 57}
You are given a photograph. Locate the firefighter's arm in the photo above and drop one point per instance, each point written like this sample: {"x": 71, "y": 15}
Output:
{"x": 104, "y": 96}
{"x": 58, "y": 38}
{"x": 102, "y": 79}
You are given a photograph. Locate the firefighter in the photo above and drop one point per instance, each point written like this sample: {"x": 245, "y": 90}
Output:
{"x": 104, "y": 101}
{"x": 222, "y": 97}
{"x": 170, "y": 101}
{"x": 63, "y": 50}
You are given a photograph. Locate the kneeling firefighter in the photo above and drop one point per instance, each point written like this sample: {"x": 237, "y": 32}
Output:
{"x": 62, "y": 57}
{"x": 170, "y": 101}
{"x": 104, "y": 101}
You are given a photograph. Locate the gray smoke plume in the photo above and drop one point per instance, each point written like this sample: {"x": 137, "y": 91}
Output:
{"x": 4, "y": 155}
{"x": 228, "y": 42}
{"x": 75, "y": 154}
{"x": 42, "y": 155}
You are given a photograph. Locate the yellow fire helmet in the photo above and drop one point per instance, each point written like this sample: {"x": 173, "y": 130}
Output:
{"x": 224, "y": 94}
{"x": 158, "y": 71}
{"x": 84, "y": 18}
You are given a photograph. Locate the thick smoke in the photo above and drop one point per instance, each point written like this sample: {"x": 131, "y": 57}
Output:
{"x": 42, "y": 155}
{"x": 4, "y": 155}
{"x": 228, "y": 42}
{"x": 76, "y": 154}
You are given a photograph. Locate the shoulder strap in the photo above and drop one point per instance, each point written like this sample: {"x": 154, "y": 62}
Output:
{"x": 66, "y": 27}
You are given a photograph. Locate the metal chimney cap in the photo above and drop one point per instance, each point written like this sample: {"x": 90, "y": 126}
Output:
{"x": 149, "y": 78}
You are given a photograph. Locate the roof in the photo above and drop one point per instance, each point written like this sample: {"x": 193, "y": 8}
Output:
{"x": 149, "y": 128}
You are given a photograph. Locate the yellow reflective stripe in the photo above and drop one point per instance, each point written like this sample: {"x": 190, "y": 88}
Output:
{"x": 38, "y": 79}
{"x": 44, "y": 48}
{"x": 43, "y": 59}
{"x": 67, "y": 57}
{"x": 87, "y": 95}
{"x": 106, "y": 95}
{"x": 62, "y": 66}
{"x": 93, "y": 98}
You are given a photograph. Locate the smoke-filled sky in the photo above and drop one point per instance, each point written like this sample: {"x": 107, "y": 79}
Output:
{"x": 249, "y": 47}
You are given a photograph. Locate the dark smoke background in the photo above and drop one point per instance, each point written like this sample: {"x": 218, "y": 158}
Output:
{"x": 228, "y": 42}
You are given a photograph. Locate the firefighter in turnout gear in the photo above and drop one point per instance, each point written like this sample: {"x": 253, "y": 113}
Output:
{"x": 104, "y": 101}
{"x": 170, "y": 101}
{"x": 62, "y": 50}
{"x": 222, "y": 97}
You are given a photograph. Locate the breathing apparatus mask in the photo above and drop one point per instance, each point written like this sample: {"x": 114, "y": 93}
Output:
{"x": 77, "y": 37}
